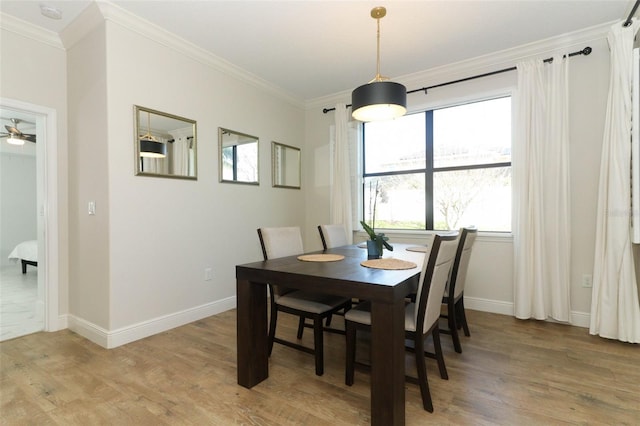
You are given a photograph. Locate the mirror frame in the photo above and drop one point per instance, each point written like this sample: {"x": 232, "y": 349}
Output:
{"x": 137, "y": 110}
{"x": 221, "y": 131}
{"x": 274, "y": 146}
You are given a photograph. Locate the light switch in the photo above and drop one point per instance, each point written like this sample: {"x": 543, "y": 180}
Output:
{"x": 92, "y": 207}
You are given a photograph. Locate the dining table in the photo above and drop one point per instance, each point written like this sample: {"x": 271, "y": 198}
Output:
{"x": 385, "y": 289}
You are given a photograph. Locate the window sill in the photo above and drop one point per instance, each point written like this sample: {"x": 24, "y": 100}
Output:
{"x": 413, "y": 236}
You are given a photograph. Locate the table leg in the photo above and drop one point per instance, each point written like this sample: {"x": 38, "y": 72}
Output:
{"x": 387, "y": 363}
{"x": 252, "y": 342}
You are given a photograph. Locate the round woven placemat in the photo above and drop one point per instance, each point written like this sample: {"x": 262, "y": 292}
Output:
{"x": 388, "y": 264}
{"x": 420, "y": 249}
{"x": 320, "y": 257}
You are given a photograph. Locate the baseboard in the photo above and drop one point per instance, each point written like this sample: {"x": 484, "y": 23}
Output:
{"x": 578, "y": 319}
{"x": 488, "y": 305}
{"x": 114, "y": 338}
{"x": 88, "y": 330}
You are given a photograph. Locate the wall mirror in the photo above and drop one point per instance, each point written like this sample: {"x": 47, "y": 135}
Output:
{"x": 238, "y": 157}
{"x": 285, "y": 166}
{"x": 165, "y": 144}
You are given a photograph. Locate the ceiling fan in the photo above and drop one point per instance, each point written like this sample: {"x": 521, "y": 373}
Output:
{"x": 15, "y": 136}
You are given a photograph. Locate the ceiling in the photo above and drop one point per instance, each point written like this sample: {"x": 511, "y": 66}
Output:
{"x": 311, "y": 49}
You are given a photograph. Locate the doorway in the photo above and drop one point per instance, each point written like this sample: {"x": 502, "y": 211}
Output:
{"x": 42, "y": 301}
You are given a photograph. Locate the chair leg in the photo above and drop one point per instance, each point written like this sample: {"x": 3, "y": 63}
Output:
{"x": 438, "y": 351}
{"x": 329, "y": 320}
{"x": 318, "y": 332}
{"x": 453, "y": 325}
{"x": 272, "y": 326}
{"x": 300, "y": 327}
{"x": 463, "y": 317}
{"x": 422, "y": 373}
{"x": 350, "y": 332}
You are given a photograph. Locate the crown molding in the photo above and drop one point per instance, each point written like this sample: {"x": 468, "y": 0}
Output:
{"x": 131, "y": 22}
{"x": 101, "y": 10}
{"x": 545, "y": 48}
{"x": 330, "y": 101}
{"x": 26, "y": 29}
{"x": 486, "y": 63}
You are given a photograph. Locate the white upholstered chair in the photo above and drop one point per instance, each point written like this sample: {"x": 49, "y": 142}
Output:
{"x": 333, "y": 235}
{"x": 454, "y": 293}
{"x": 421, "y": 317}
{"x": 287, "y": 241}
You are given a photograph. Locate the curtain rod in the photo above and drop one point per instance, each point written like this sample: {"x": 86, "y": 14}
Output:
{"x": 629, "y": 21}
{"x": 586, "y": 51}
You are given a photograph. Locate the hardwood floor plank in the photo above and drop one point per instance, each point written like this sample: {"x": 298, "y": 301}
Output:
{"x": 510, "y": 372}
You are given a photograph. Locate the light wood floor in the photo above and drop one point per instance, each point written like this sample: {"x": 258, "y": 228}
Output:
{"x": 510, "y": 372}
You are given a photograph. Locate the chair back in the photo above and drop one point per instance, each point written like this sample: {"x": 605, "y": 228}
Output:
{"x": 280, "y": 242}
{"x": 333, "y": 235}
{"x": 461, "y": 262}
{"x": 436, "y": 270}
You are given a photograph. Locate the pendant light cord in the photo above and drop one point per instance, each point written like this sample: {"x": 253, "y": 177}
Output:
{"x": 148, "y": 136}
{"x": 378, "y": 77}
{"x": 378, "y": 13}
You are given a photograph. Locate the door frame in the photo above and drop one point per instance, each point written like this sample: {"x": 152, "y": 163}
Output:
{"x": 48, "y": 232}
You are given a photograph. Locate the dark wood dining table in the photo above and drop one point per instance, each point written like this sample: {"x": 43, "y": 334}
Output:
{"x": 386, "y": 289}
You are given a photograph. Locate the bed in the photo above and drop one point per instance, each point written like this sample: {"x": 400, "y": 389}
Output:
{"x": 27, "y": 253}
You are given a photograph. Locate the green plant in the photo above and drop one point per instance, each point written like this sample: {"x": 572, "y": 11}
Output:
{"x": 379, "y": 238}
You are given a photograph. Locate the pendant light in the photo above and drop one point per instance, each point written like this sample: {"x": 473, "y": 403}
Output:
{"x": 152, "y": 149}
{"x": 149, "y": 145}
{"x": 379, "y": 99}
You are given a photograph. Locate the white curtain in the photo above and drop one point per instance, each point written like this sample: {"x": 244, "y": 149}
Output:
{"x": 341, "y": 172}
{"x": 181, "y": 155}
{"x": 541, "y": 192}
{"x": 615, "y": 312}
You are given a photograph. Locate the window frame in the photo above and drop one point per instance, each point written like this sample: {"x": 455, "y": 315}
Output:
{"x": 429, "y": 169}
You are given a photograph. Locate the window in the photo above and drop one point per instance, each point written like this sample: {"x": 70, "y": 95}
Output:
{"x": 440, "y": 169}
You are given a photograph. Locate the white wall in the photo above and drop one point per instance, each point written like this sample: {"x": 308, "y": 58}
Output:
{"x": 89, "y": 286}
{"x": 490, "y": 279}
{"x": 145, "y": 252}
{"x": 36, "y": 74}
{"x": 165, "y": 232}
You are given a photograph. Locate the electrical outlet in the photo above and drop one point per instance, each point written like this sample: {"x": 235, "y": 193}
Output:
{"x": 587, "y": 281}
{"x": 208, "y": 274}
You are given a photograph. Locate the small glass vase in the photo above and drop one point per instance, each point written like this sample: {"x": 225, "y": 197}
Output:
{"x": 374, "y": 251}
